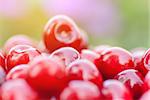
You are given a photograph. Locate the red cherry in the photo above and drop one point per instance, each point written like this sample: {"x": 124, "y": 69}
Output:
{"x": 66, "y": 54}
{"x": 114, "y": 60}
{"x": 17, "y": 40}
{"x": 17, "y": 90}
{"x": 81, "y": 90}
{"x": 145, "y": 96}
{"x": 138, "y": 60}
{"x": 46, "y": 75}
{"x": 61, "y": 31}
{"x": 146, "y": 61}
{"x": 115, "y": 90}
{"x": 133, "y": 80}
{"x": 99, "y": 49}
{"x": 20, "y": 54}
{"x": 2, "y": 75}
{"x": 19, "y": 71}
{"x": 89, "y": 55}
{"x": 2, "y": 60}
{"x": 84, "y": 70}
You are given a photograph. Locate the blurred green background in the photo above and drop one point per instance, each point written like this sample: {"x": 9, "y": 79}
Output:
{"x": 129, "y": 18}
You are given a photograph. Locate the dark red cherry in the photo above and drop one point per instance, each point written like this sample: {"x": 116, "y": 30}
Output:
{"x": 2, "y": 75}
{"x": 99, "y": 49}
{"x": 61, "y": 31}
{"x": 115, "y": 90}
{"x": 66, "y": 54}
{"x": 17, "y": 90}
{"x": 138, "y": 60}
{"x": 80, "y": 90}
{"x": 145, "y": 96}
{"x": 20, "y": 54}
{"x": 2, "y": 60}
{"x": 89, "y": 55}
{"x": 46, "y": 75}
{"x": 133, "y": 80}
{"x": 19, "y": 71}
{"x": 17, "y": 40}
{"x": 84, "y": 70}
{"x": 114, "y": 60}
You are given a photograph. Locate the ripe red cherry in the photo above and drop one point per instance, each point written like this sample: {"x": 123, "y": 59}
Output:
{"x": 2, "y": 75}
{"x": 61, "y": 31}
{"x": 99, "y": 49}
{"x": 20, "y": 54}
{"x": 81, "y": 90}
{"x": 114, "y": 60}
{"x": 145, "y": 96}
{"x": 66, "y": 55}
{"x": 133, "y": 80}
{"x": 115, "y": 90}
{"x": 19, "y": 71}
{"x": 138, "y": 60}
{"x": 84, "y": 70}
{"x": 17, "y": 90}
{"x": 46, "y": 75}
{"x": 2, "y": 60}
{"x": 17, "y": 40}
{"x": 89, "y": 55}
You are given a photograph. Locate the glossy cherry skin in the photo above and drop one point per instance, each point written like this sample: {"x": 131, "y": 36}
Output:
{"x": 19, "y": 71}
{"x": 66, "y": 55}
{"x": 89, "y": 55}
{"x": 114, "y": 60}
{"x": 115, "y": 90}
{"x": 17, "y": 90}
{"x": 84, "y": 70}
{"x": 61, "y": 31}
{"x": 20, "y": 54}
{"x": 138, "y": 54}
{"x": 99, "y": 49}
{"x": 2, "y": 75}
{"x": 145, "y": 96}
{"x": 46, "y": 75}
{"x": 17, "y": 40}
{"x": 133, "y": 80}
{"x": 80, "y": 90}
{"x": 2, "y": 60}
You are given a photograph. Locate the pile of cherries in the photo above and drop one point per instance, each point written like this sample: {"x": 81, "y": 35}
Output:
{"x": 64, "y": 67}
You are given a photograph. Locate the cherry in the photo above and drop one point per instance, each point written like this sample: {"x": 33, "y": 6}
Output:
{"x": 20, "y": 54}
{"x": 80, "y": 90}
{"x": 2, "y": 60}
{"x": 17, "y": 40}
{"x": 17, "y": 90}
{"x": 133, "y": 80}
{"x": 2, "y": 75}
{"x": 114, "y": 60}
{"x": 61, "y": 31}
{"x": 19, "y": 71}
{"x": 84, "y": 70}
{"x": 46, "y": 75}
{"x": 115, "y": 90}
{"x": 66, "y": 54}
{"x": 145, "y": 96}
{"x": 89, "y": 55}
{"x": 138, "y": 60}
{"x": 99, "y": 49}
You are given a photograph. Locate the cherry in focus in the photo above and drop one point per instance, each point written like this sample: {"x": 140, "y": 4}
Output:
{"x": 114, "y": 60}
{"x": 61, "y": 31}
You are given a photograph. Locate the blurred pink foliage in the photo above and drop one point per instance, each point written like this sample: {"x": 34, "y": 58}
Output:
{"x": 13, "y": 8}
{"x": 98, "y": 17}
